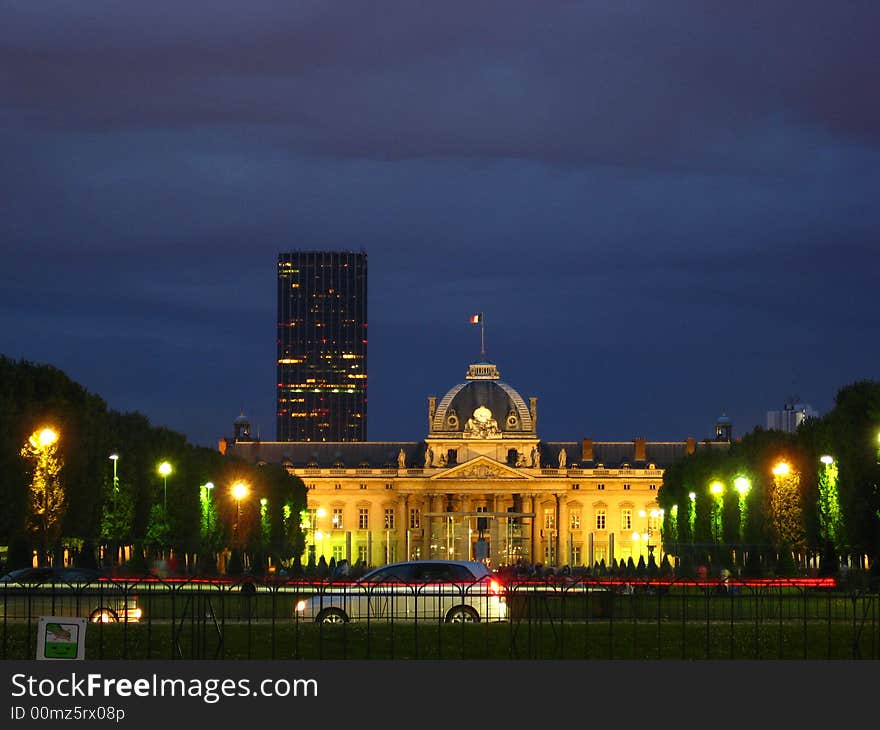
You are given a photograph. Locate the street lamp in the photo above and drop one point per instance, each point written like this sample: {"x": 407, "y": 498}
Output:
{"x": 742, "y": 486}
{"x": 114, "y": 458}
{"x": 239, "y": 492}
{"x": 829, "y": 499}
{"x": 781, "y": 469}
{"x": 717, "y": 490}
{"x": 44, "y": 486}
{"x": 44, "y": 438}
{"x": 165, "y": 470}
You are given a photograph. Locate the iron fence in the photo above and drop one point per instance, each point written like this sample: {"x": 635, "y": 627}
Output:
{"x": 551, "y": 618}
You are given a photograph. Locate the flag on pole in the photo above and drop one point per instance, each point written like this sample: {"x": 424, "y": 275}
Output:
{"x": 476, "y": 318}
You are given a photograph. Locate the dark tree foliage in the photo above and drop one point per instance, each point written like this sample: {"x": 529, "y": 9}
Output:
{"x": 769, "y": 536}
{"x": 97, "y": 512}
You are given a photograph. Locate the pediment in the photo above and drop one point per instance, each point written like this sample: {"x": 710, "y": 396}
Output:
{"x": 482, "y": 467}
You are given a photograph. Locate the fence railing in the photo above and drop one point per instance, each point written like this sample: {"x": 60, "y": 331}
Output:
{"x": 524, "y": 619}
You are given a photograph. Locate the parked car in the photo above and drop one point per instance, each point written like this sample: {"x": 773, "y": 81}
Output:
{"x": 424, "y": 590}
{"x": 29, "y": 593}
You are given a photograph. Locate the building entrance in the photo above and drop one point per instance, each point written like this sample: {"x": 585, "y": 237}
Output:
{"x": 499, "y": 538}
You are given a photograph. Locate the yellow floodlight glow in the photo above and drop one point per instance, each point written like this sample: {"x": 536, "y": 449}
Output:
{"x": 716, "y": 488}
{"x": 825, "y": 459}
{"x": 742, "y": 485}
{"x": 43, "y": 438}
{"x": 164, "y": 468}
{"x": 781, "y": 469}
{"x": 692, "y": 496}
{"x": 321, "y": 512}
{"x": 240, "y": 490}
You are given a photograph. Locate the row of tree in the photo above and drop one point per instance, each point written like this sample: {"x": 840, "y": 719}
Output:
{"x": 61, "y": 494}
{"x": 783, "y": 501}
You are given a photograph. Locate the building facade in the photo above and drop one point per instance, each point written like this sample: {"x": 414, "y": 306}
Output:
{"x": 322, "y": 346}
{"x": 790, "y": 417}
{"x": 481, "y": 485}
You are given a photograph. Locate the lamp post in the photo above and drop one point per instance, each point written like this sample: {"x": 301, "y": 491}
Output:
{"x": 114, "y": 457}
{"x": 742, "y": 486}
{"x": 239, "y": 492}
{"x": 165, "y": 470}
{"x": 44, "y": 483}
{"x": 717, "y": 490}
{"x": 829, "y": 499}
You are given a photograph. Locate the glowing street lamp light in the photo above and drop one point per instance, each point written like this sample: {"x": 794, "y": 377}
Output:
{"x": 781, "y": 469}
{"x": 240, "y": 490}
{"x": 44, "y": 438}
{"x": 165, "y": 470}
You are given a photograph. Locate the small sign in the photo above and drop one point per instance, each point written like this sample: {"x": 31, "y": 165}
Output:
{"x": 61, "y": 637}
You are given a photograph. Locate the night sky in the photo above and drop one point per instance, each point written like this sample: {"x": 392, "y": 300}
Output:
{"x": 665, "y": 210}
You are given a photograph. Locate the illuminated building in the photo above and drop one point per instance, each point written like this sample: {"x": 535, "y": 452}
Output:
{"x": 480, "y": 484}
{"x": 790, "y": 417}
{"x": 322, "y": 346}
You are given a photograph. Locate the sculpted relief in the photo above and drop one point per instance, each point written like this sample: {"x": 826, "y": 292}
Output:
{"x": 481, "y": 425}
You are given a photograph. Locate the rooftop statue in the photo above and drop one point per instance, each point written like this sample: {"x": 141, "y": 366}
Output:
{"x": 482, "y": 425}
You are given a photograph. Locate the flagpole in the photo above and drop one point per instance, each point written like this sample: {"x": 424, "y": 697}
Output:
{"x": 482, "y": 336}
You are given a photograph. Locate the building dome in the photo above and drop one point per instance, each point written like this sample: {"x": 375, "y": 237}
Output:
{"x": 482, "y": 407}
{"x": 242, "y": 428}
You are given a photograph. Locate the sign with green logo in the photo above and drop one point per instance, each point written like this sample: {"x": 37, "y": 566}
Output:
{"x": 61, "y": 637}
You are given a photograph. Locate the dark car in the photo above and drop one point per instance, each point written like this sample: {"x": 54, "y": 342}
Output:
{"x": 28, "y": 593}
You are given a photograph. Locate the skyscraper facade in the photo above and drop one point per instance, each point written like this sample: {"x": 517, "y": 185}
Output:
{"x": 322, "y": 346}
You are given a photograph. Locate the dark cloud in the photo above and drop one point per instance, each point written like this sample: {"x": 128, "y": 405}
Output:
{"x": 666, "y": 210}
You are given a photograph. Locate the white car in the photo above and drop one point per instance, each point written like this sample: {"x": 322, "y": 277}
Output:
{"x": 28, "y": 593}
{"x": 423, "y": 590}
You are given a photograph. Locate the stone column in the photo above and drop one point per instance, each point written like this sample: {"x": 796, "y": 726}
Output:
{"x": 403, "y": 527}
{"x": 563, "y": 533}
{"x": 530, "y": 505}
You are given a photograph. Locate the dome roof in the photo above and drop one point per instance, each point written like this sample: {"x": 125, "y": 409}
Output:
{"x": 482, "y": 407}
{"x": 242, "y": 420}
